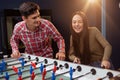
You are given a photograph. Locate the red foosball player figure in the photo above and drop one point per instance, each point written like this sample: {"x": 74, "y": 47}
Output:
{"x": 61, "y": 79}
{"x": 15, "y": 69}
{"x": 43, "y": 74}
{"x": 20, "y": 78}
{"x": 54, "y": 69}
{"x": 32, "y": 76}
{"x": 33, "y": 64}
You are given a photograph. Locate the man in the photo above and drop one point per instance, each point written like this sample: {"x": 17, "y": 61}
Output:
{"x": 36, "y": 34}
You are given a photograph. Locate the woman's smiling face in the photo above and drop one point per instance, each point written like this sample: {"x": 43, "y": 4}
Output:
{"x": 77, "y": 23}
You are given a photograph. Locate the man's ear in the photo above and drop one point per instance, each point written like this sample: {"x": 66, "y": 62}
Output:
{"x": 24, "y": 18}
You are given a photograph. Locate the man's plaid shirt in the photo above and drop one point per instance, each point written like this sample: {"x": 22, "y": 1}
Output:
{"x": 39, "y": 41}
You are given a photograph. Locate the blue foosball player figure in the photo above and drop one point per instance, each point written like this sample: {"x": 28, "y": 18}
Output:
{"x": 41, "y": 68}
{"x": 6, "y": 76}
{"x": 71, "y": 73}
{"x": 53, "y": 76}
{"x": 2, "y": 66}
{"x": 31, "y": 70}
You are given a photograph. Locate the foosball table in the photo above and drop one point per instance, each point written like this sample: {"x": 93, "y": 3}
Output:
{"x": 30, "y": 67}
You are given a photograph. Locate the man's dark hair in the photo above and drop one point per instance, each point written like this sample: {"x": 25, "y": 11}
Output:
{"x": 28, "y": 8}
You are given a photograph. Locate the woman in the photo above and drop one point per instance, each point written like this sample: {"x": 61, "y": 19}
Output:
{"x": 87, "y": 45}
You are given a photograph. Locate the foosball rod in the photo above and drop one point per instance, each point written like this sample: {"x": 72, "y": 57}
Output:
{"x": 92, "y": 71}
{"x": 45, "y": 60}
{"x": 109, "y": 75}
{"x": 54, "y": 63}
{"x": 12, "y": 59}
{"x": 66, "y": 66}
{"x": 29, "y": 59}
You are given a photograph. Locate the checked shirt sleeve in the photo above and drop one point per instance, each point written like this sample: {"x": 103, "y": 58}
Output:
{"x": 14, "y": 41}
{"x": 57, "y": 37}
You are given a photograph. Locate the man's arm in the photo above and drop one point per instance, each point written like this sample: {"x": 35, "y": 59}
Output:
{"x": 14, "y": 42}
{"x": 60, "y": 41}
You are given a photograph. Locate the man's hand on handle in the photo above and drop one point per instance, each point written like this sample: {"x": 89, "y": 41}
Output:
{"x": 60, "y": 56}
{"x": 16, "y": 54}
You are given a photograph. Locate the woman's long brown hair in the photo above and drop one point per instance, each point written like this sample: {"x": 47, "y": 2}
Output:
{"x": 83, "y": 54}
